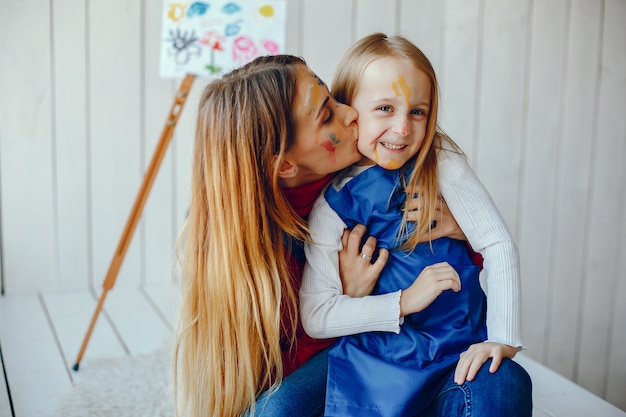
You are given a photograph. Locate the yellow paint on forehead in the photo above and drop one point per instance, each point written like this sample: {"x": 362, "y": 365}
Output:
{"x": 312, "y": 98}
{"x": 402, "y": 88}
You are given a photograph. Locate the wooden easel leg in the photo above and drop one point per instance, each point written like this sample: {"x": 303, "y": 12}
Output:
{"x": 140, "y": 201}
{"x": 94, "y": 318}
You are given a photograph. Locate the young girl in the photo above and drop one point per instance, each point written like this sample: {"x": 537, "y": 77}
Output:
{"x": 412, "y": 332}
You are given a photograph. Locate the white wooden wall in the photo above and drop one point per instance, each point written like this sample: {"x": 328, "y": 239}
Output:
{"x": 534, "y": 91}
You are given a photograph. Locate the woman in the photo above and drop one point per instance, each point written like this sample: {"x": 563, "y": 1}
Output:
{"x": 268, "y": 138}
{"x": 239, "y": 330}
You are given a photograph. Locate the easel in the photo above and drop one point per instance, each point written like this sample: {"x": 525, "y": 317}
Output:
{"x": 140, "y": 201}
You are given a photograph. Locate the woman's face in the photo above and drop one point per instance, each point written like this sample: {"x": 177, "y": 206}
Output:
{"x": 325, "y": 131}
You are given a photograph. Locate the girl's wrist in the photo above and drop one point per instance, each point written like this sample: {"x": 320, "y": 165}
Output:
{"x": 405, "y": 307}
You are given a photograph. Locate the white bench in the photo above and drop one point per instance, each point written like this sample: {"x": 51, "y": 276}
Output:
{"x": 556, "y": 396}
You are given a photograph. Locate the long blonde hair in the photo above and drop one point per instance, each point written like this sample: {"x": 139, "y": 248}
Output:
{"x": 344, "y": 87}
{"x": 237, "y": 298}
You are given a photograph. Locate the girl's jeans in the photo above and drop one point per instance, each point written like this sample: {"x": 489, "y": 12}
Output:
{"x": 508, "y": 392}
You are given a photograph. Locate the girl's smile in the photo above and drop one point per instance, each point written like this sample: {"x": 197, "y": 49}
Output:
{"x": 392, "y": 147}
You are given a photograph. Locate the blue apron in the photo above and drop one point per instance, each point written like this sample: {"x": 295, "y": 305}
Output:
{"x": 387, "y": 374}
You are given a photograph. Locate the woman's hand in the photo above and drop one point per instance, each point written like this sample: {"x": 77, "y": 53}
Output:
{"x": 473, "y": 358}
{"x": 446, "y": 225}
{"x": 431, "y": 282}
{"x": 358, "y": 273}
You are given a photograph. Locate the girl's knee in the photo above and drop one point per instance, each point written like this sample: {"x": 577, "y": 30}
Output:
{"x": 508, "y": 391}
{"x": 513, "y": 373}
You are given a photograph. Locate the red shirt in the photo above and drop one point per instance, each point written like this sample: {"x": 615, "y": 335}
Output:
{"x": 301, "y": 199}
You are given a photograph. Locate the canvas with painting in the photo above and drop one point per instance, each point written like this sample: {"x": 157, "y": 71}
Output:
{"x": 212, "y": 37}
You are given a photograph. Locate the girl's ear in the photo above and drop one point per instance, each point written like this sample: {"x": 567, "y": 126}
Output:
{"x": 286, "y": 169}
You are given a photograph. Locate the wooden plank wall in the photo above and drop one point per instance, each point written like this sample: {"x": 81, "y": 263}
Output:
{"x": 534, "y": 92}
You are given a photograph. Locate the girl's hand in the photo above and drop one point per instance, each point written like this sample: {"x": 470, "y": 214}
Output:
{"x": 431, "y": 282}
{"x": 473, "y": 358}
{"x": 446, "y": 225}
{"x": 358, "y": 273}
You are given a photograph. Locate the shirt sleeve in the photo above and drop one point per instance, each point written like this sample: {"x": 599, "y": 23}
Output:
{"x": 487, "y": 233}
{"x": 325, "y": 311}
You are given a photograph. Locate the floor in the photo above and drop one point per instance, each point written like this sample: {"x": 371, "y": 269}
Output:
{"x": 41, "y": 335}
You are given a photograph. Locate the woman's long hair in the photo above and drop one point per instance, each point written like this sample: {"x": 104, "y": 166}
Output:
{"x": 236, "y": 288}
{"x": 344, "y": 87}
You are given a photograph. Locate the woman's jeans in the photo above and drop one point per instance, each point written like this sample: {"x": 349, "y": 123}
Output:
{"x": 301, "y": 394}
{"x": 508, "y": 392}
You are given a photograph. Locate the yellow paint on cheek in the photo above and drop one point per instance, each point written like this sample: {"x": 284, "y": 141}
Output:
{"x": 376, "y": 157}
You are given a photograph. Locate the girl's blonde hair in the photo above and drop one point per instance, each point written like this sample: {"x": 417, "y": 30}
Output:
{"x": 344, "y": 87}
{"x": 237, "y": 295}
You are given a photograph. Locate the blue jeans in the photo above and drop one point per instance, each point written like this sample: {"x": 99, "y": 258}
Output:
{"x": 301, "y": 394}
{"x": 508, "y": 392}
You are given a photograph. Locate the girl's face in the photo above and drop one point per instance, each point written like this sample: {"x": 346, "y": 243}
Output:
{"x": 393, "y": 101}
{"x": 326, "y": 131}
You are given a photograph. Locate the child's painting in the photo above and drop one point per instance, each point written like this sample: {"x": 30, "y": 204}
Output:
{"x": 207, "y": 38}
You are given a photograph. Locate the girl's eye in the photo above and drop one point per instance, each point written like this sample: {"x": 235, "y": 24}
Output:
{"x": 419, "y": 112}
{"x": 384, "y": 108}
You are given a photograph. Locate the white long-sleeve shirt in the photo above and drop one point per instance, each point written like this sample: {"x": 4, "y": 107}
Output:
{"x": 327, "y": 312}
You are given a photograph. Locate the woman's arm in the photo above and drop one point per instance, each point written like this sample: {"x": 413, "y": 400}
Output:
{"x": 325, "y": 309}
